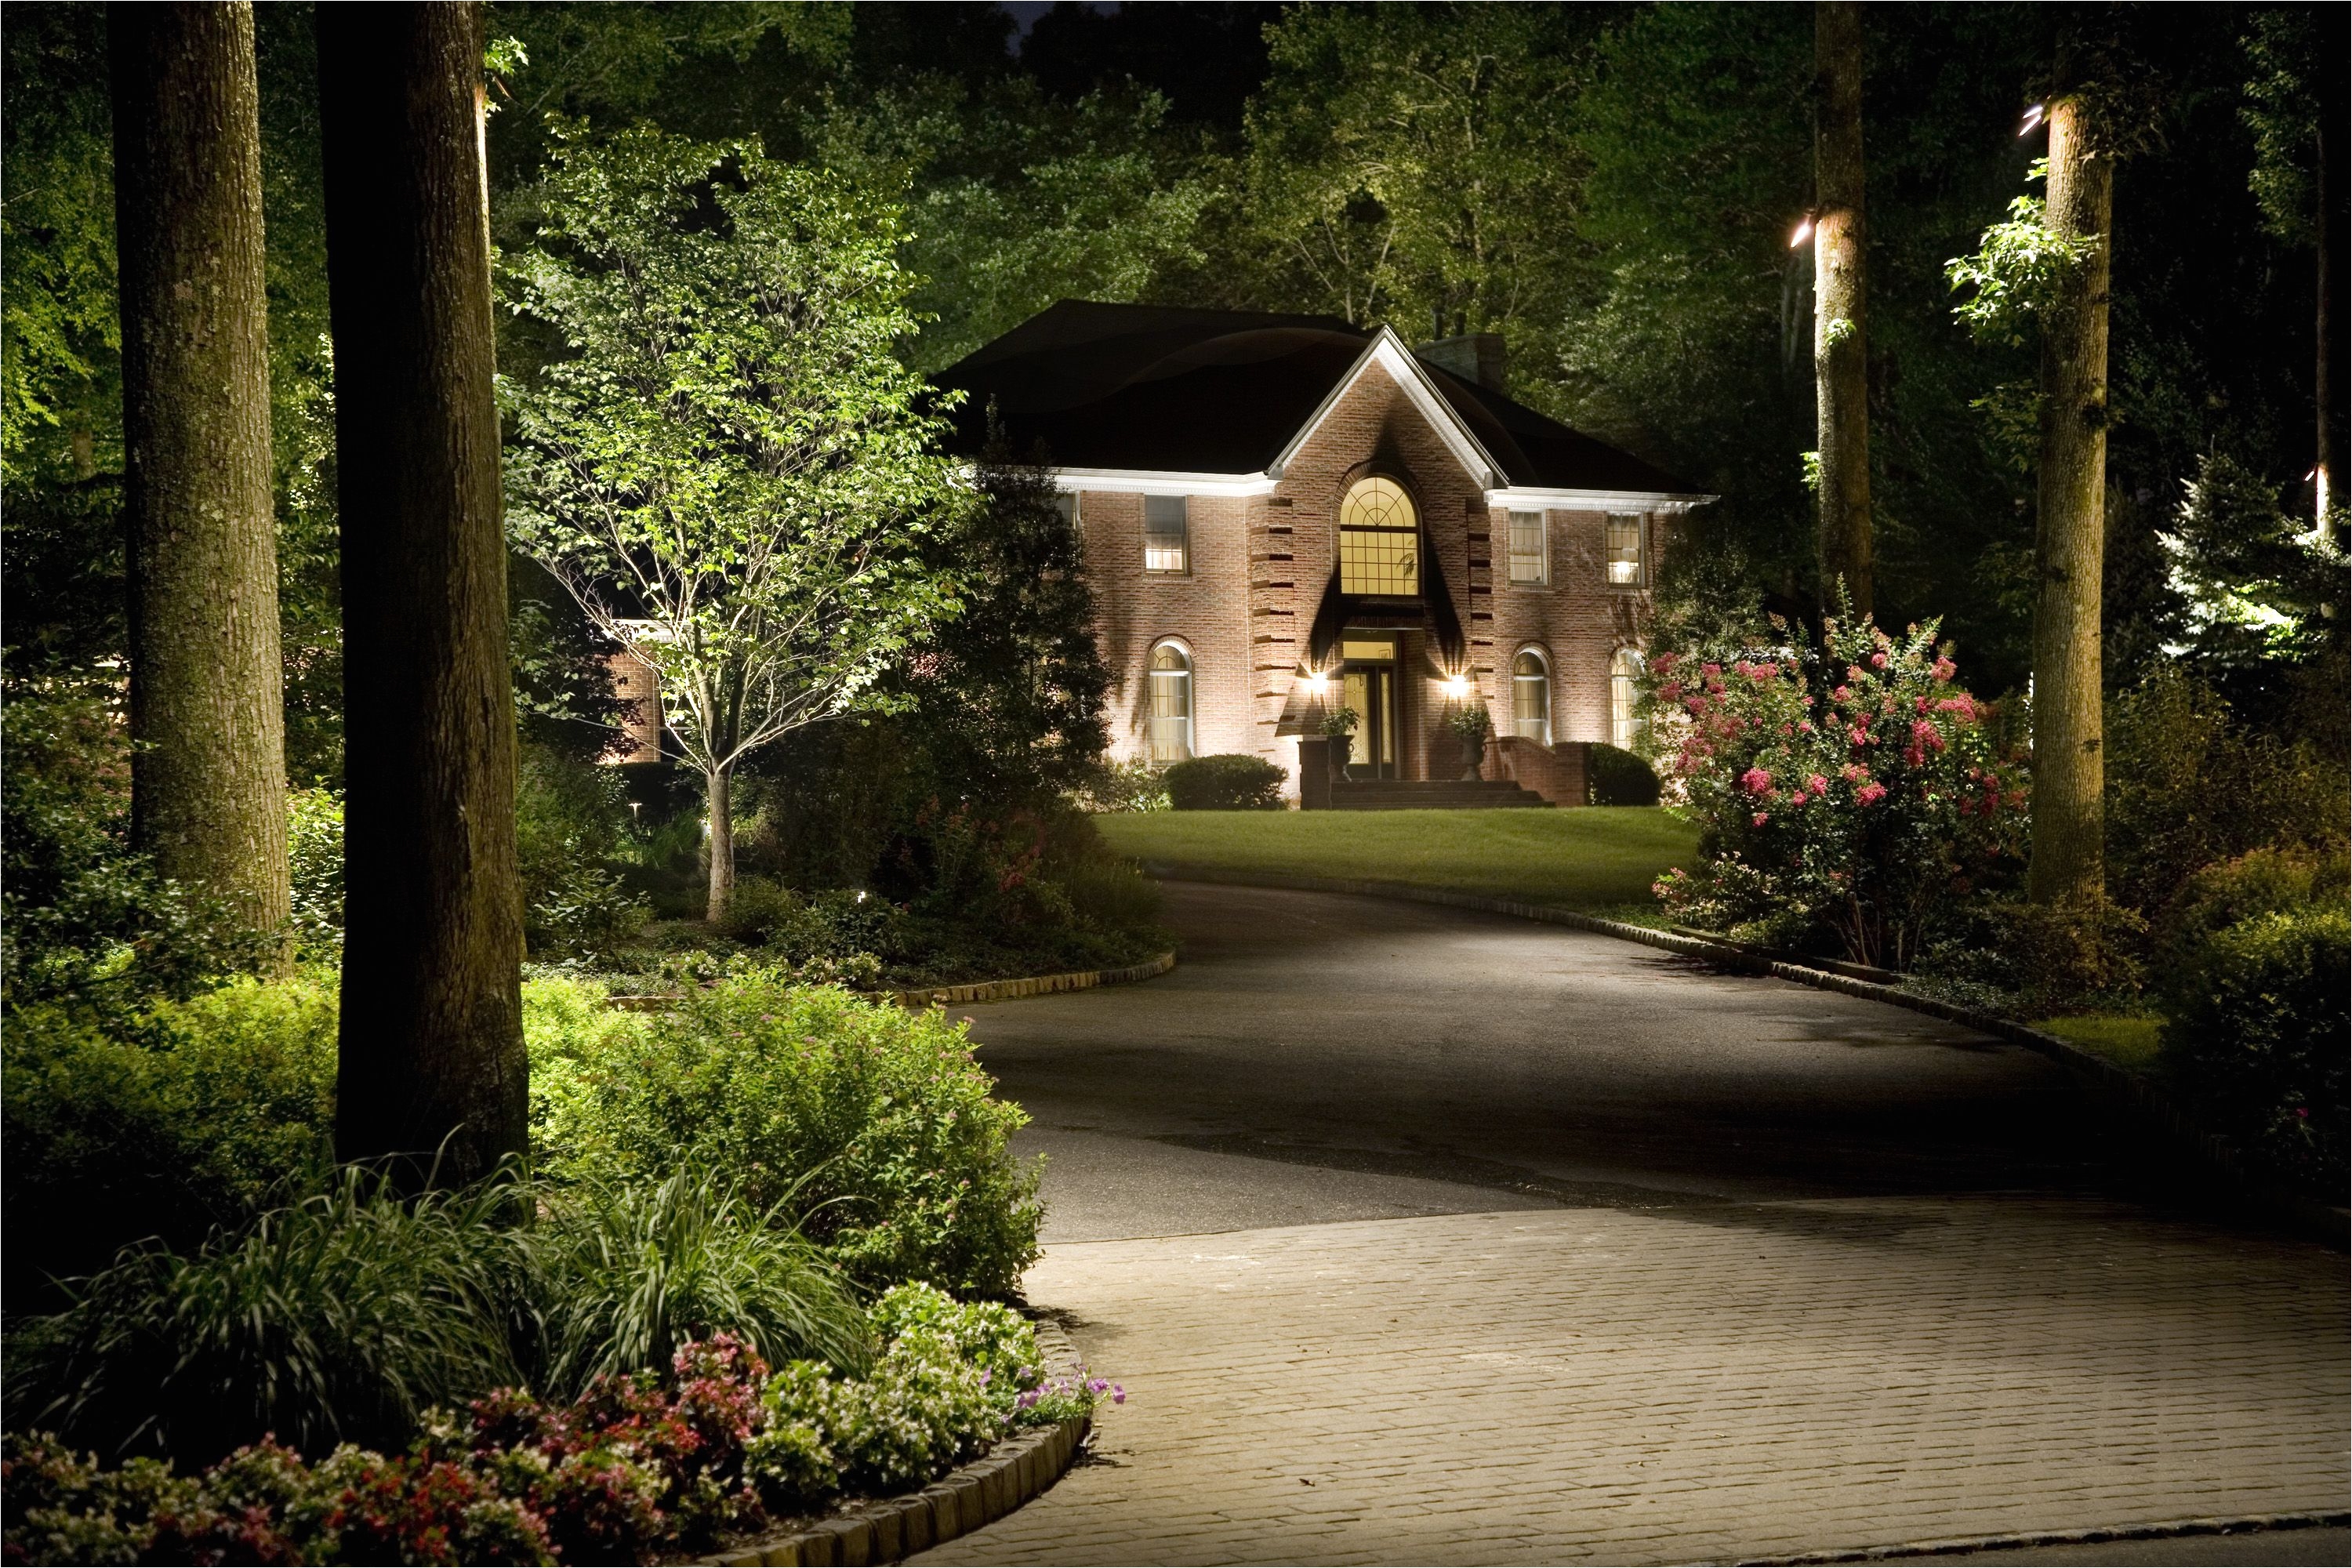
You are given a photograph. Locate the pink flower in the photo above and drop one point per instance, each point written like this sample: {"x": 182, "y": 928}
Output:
{"x": 1762, "y": 817}
{"x": 1858, "y": 735}
{"x": 1918, "y": 705}
{"x": 1798, "y": 798}
{"x": 1805, "y": 701}
{"x": 1854, "y": 672}
{"x": 1696, "y": 703}
{"x": 1788, "y": 728}
{"x": 1878, "y": 661}
{"x": 1944, "y": 670}
{"x": 1710, "y": 671}
{"x": 1818, "y": 784}
{"x": 1670, "y": 691}
{"x": 1805, "y": 726}
{"x": 1756, "y": 781}
{"x": 1844, "y": 693}
{"x": 1872, "y": 793}
{"x": 1924, "y": 734}
{"x": 1666, "y": 661}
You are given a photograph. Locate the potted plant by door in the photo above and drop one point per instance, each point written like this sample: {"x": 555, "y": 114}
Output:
{"x": 1469, "y": 725}
{"x": 1338, "y": 726}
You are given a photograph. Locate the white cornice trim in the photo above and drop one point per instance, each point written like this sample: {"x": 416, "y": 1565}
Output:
{"x": 1388, "y": 351}
{"x": 1161, "y": 482}
{"x": 1595, "y": 501}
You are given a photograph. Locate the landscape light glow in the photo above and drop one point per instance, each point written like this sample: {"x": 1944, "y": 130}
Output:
{"x": 2033, "y": 119}
{"x": 1804, "y": 231}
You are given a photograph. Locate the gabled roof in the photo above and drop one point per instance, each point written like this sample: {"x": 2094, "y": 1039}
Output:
{"x": 1158, "y": 389}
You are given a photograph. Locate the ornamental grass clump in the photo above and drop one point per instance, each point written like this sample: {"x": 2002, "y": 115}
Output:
{"x": 1845, "y": 794}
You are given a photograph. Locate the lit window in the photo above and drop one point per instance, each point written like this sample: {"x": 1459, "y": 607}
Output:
{"x": 1531, "y": 697}
{"x": 1629, "y": 566}
{"x": 1067, "y": 503}
{"x": 1624, "y": 699}
{"x": 1166, "y": 538}
{"x": 1529, "y": 560}
{"x": 1170, "y": 724}
{"x": 1380, "y": 541}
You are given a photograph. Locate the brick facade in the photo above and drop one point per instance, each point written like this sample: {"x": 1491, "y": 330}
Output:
{"x": 1260, "y": 564}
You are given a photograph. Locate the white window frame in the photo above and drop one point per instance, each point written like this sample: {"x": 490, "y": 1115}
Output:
{"x": 1625, "y": 698}
{"x": 1528, "y": 568}
{"x": 1640, "y": 577}
{"x": 1518, "y": 725}
{"x": 1161, "y": 560}
{"x": 1151, "y": 720}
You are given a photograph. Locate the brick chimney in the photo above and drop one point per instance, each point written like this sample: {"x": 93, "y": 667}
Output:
{"x": 1474, "y": 357}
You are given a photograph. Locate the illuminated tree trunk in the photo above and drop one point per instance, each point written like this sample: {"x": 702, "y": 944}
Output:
{"x": 1841, "y": 362}
{"x": 432, "y": 1029}
{"x": 2069, "y": 772}
{"x": 207, "y": 709}
{"x": 719, "y": 792}
{"x": 2322, "y": 471}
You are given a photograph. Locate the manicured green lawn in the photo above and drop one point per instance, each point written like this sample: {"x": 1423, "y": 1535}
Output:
{"x": 2126, "y": 1040}
{"x": 1599, "y": 859}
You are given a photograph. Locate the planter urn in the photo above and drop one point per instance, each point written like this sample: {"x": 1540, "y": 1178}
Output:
{"x": 1474, "y": 757}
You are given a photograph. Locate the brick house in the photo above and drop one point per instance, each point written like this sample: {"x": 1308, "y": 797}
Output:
{"x": 1283, "y": 513}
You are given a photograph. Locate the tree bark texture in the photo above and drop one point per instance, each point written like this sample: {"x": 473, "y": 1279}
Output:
{"x": 432, "y": 1027}
{"x": 2322, "y": 469}
{"x": 720, "y": 794}
{"x": 207, "y": 709}
{"x": 2069, "y": 771}
{"x": 1841, "y": 357}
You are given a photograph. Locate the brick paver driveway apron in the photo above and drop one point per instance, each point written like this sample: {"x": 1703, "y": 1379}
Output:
{"x": 1419, "y": 1235}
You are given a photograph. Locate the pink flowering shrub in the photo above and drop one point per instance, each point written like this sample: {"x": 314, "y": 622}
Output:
{"x": 1843, "y": 793}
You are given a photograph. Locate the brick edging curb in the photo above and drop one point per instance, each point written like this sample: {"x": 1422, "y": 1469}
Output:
{"x": 958, "y": 1503}
{"x": 2248, "y": 1524}
{"x": 2126, "y": 1091}
{"x": 1035, "y": 986}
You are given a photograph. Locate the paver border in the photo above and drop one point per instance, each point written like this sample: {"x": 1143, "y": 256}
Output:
{"x": 2246, "y": 1524}
{"x": 2124, "y": 1092}
{"x": 925, "y": 996}
{"x": 893, "y": 1529}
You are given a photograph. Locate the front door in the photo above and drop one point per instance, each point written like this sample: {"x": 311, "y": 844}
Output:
{"x": 1370, "y": 690}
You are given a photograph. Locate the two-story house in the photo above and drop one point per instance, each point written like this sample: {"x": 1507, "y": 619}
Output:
{"x": 1282, "y": 514}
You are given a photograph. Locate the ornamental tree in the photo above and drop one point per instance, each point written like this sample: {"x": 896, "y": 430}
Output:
{"x": 727, "y": 466}
{"x": 1847, "y": 790}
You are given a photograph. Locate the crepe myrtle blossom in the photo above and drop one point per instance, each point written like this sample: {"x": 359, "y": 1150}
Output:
{"x": 1918, "y": 802}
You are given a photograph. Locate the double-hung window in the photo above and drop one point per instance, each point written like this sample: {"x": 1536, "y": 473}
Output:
{"x": 1167, "y": 535}
{"x": 1530, "y": 561}
{"x": 1629, "y": 562}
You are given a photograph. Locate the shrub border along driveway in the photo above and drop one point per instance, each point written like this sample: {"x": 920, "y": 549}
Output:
{"x": 958, "y": 1503}
{"x": 2112, "y": 1087}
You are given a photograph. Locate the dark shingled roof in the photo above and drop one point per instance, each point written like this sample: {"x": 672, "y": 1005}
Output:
{"x": 1222, "y": 392}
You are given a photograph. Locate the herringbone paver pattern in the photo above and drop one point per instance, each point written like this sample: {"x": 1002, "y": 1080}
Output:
{"x": 1703, "y": 1385}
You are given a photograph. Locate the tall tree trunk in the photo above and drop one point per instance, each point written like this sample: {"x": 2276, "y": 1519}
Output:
{"x": 1841, "y": 358}
{"x": 432, "y": 1026}
{"x": 2069, "y": 772}
{"x": 2322, "y": 471}
{"x": 718, "y": 790}
{"x": 207, "y": 708}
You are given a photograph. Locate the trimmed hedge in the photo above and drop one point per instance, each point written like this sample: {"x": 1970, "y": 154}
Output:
{"x": 1227, "y": 782}
{"x": 1613, "y": 776}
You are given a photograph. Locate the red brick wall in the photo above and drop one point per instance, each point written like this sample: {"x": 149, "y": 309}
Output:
{"x": 1260, "y": 565}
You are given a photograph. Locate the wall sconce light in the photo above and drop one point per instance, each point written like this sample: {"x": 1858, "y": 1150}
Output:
{"x": 1317, "y": 680}
{"x": 1457, "y": 687}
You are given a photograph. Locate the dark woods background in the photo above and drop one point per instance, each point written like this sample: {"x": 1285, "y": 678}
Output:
{"x": 1610, "y": 188}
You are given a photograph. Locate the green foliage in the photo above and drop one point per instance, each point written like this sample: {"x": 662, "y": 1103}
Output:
{"x": 314, "y": 838}
{"x": 951, "y": 1378}
{"x": 1233, "y": 782}
{"x": 1850, "y": 790}
{"x": 2009, "y": 956}
{"x": 1131, "y": 785}
{"x": 2284, "y": 70}
{"x": 1469, "y": 721}
{"x": 2189, "y": 785}
{"x": 1616, "y": 777}
{"x": 2259, "y": 586}
{"x": 570, "y": 822}
{"x": 194, "y": 1118}
{"x": 2263, "y": 881}
{"x": 874, "y": 1122}
{"x": 341, "y": 1317}
{"x": 2015, "y": 268}
{"x": 626, "y": 1272}
{"x": 81, "y": 916}
{"x": 2254, "y": 1034}
{"x": 727, "y": 434}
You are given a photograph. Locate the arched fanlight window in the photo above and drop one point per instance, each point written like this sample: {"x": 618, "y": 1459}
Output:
{"x": 1531, "y": 697}
{"x": 1170, "y": 727}
{"x": 1624, "y": 699}
{"x": 1379, "y": 540}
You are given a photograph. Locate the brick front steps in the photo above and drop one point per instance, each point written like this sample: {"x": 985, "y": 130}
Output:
{"x": 1414, "y": 794}
{"x": 892, "y": 1529}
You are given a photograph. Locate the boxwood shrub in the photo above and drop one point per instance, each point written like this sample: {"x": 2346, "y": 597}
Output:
{"x": 1227, "y": 782}
{"x": 1613, "y": 776}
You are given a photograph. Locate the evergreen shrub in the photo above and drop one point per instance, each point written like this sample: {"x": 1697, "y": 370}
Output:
{"x": 1614, "y": 777}
{"x": 1225, "y": 782}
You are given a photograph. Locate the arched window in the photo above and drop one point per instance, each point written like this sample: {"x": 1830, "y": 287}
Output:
{"x": 1624, "y": 699}
{"x": 1379, "y": 540}
{"x": 1170, "y": 728}
{"x": 1531, "y": 697}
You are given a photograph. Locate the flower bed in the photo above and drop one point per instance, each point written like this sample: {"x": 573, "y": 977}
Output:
{"x": 636, "y": 1468}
